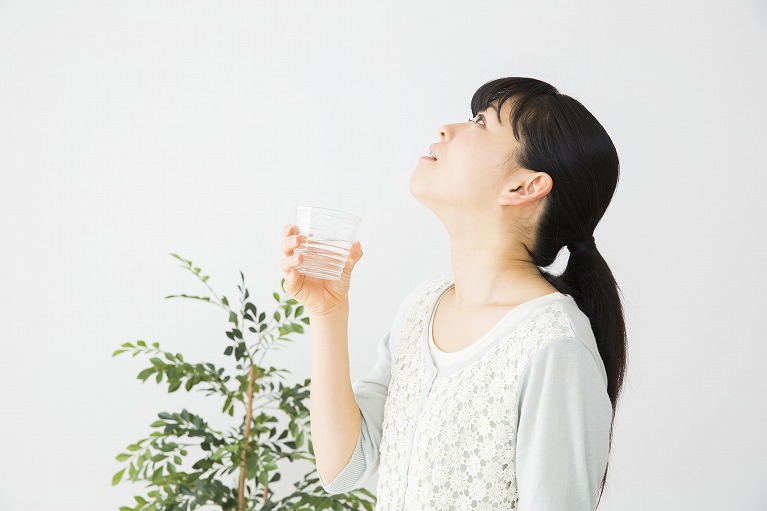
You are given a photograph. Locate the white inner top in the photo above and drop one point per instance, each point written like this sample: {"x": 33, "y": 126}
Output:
{"x": 444, "y": 359}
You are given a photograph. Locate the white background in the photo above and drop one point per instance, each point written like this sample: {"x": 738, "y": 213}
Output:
{"x": 129, "y": 130}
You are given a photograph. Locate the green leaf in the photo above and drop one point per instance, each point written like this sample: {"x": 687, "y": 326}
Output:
{"x": 182, "y": 259}
{"x": 174, "y": 386}
{"x": 228, "y": 350}
{"x": 118, "y": 352}
{"x": 299, "y": 310}
{"x": 224, "y": 300}
{"x": 123, "y": 456}
{"x": 141, "y": 343}
{"x": 276, "y": 315}
{"x": 203, "y": 298}
{"x": 143, "y": 375}
{"x": 116, "y": 478}
{"x": 276, "y": 296}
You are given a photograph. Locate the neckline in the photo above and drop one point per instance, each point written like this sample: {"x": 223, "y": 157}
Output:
{"x": 516, "y": 314}
{"x": 477, "y": 342}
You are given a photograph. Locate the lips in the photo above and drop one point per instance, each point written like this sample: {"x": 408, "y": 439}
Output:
{"x": 432, "y": 151}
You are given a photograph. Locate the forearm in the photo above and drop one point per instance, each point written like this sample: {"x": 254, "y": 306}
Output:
{"x": 335, "y": 416}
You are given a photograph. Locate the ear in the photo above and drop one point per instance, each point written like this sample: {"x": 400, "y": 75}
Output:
{"x": 533, "y": 187}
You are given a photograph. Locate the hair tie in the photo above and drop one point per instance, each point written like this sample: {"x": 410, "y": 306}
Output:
{"x": 583, "y": 246}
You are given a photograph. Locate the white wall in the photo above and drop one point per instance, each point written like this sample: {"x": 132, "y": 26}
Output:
{"x": 132, "y": 129}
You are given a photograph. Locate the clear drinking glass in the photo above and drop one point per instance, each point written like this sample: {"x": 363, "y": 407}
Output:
{"x": 326, "y": 239}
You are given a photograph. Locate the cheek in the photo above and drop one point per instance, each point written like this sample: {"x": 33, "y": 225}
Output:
{"x": 472, "y": 168}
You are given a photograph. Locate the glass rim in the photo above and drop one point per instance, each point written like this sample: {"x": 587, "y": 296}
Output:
{"x": 320, "y": 208}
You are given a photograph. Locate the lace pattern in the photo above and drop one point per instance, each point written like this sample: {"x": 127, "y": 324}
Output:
{"x": 449, "y": 441}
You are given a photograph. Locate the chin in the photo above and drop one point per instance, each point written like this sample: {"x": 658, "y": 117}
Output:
{"x": 414, "y": 185}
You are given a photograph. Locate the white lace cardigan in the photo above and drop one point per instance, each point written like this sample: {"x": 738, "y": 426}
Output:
{"x": 522, "y": 423}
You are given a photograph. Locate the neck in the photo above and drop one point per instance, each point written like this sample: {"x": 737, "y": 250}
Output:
{"x": 487, "y": 275}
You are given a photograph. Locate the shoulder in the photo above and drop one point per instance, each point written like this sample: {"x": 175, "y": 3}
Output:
{"x": 415, "y": 304}
{"x": 560, "y": 328}
{"x": 566, "y": 356}
{"x": 422, "y": 293}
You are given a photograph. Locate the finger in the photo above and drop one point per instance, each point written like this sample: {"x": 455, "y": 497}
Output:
{"x": 288, "y": 262}
{"x": 289, "y": 244}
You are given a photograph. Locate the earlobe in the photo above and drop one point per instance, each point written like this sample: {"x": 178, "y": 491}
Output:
{"x": 512, "y": 197}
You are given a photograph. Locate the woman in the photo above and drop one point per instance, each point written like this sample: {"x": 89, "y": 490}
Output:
{"x": 496, "y": 386}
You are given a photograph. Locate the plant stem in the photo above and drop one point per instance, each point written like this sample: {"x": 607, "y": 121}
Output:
{"x": 248, "y": 418}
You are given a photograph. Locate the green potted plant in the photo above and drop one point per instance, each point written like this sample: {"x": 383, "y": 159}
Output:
{"x": 181, "y": 480}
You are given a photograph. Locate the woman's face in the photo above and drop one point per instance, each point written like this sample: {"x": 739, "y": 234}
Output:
{"x": 471, "y": 170}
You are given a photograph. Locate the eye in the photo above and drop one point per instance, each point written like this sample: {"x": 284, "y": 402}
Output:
{"x": 481, "y": 116}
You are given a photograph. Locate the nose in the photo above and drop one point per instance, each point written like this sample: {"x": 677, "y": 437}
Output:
{"x": 445, "y": 131}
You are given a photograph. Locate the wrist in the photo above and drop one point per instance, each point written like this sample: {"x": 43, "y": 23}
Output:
{"x": 335, "y": 314}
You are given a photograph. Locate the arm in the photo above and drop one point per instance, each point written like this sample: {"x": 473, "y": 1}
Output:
{"x": 370, "y": 392}
{"x": 334, "y": 415}
{"x": 563, "y": 432}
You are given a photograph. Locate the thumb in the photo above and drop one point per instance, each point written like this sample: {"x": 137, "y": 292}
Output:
{"x": 355, "y": 254}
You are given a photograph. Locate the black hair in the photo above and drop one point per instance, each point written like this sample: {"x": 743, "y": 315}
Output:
{"x": 560, "y": 137}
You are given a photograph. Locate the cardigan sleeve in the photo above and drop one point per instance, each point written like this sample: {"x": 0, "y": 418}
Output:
{"x": 563, "y": 432}
{"x": 370, "y": 392}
